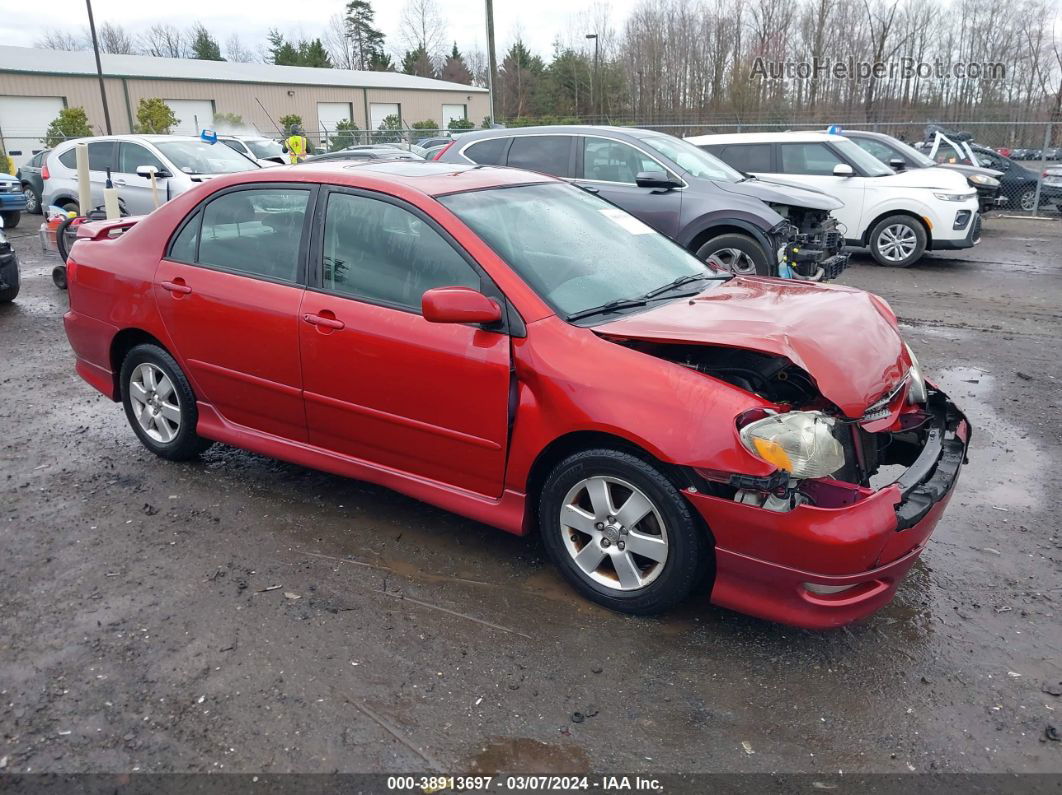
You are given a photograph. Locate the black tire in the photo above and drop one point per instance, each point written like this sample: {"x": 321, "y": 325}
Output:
{"x": 903, "y": 228}
{"x": 33, "y": 200}
{"x": 732, "y": 243}
{"x": 14, "y": 282}
{"x": 688, "y": 559}
{"x": 61, "y": 239}
{"x": 186, "y": 444}
{"x": 11, "y": 218}
{"x": 59, "y": 276}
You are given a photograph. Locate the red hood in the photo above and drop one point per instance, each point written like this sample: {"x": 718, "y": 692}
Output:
{"x": 845, "y": 339}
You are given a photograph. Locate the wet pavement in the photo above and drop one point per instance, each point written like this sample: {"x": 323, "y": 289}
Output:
{"x": 242, "y": 614}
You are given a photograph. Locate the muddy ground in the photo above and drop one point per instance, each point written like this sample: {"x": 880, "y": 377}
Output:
{"x": 138, "y": 630}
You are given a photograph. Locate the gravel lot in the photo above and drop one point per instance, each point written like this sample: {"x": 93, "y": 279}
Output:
{"x": 138, "y": 630}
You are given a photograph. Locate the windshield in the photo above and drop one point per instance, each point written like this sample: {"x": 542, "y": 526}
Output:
{"x": 264, "y": 148}
{"x": 575, "y": 250}
{"x": 912, "y": 153}
{"x": 199, "y": 157}
{"x": 695, "y": 161}
{"x": 869, "y": 164}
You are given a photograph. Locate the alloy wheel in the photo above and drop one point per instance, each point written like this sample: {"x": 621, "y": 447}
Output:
{"x": 31, "y": 200}
{"x": 897, "y": 242}
{"x": 614, "y": 533}
{"x": 1028, "y": 200}
{"x": 155, "y": 404}
{"x": 732, "y": 260}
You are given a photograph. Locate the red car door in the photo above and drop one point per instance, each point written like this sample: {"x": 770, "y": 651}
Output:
{"x": 229, "y": 292}
{"x": 381, "y": 383}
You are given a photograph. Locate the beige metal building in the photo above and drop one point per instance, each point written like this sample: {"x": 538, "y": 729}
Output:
{"x": 36, "y": 84}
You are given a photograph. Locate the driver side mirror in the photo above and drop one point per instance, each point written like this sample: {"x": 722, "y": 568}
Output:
{"x": 459, "y": 305}
{"x": 147, "y": 171}
{"x": 843, "y": 170}
{"x": 896, "y": 164}
{"x": 654, "y": 179}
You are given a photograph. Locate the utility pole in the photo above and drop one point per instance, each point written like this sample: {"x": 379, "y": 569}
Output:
{"x": 492, "y": 60}
{"x": 594, "y": 80}
{"x": 99, "y": 68}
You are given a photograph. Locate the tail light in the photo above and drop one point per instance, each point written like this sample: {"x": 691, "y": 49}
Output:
{"x": 444, "y": 150}
{"x": 44, "y": 173}
{"x": 71, "y": 271}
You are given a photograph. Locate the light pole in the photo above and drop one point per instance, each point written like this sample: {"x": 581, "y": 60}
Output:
{"x": 593, "y": 77}
{"x": 99, "y": 67}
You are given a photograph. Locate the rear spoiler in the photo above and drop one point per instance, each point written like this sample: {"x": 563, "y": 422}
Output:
{"x": 104, "y": 230}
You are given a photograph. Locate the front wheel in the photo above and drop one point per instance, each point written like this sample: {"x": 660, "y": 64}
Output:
{"x": 33, "y": 200}
{"x": 737, "y": 254}
{"x": 621, "y": 533}
{"x": 11, "y": 218}
{"x": 898, "y": 241}
{"x": 160, "y": 405}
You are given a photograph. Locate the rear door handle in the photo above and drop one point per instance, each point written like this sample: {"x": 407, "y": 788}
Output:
{"x": 176, "y": 287}
{"x": 321, "y": 320}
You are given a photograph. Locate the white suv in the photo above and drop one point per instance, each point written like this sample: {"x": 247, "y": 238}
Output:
{"x": 181, "y": 162}
{"x": 897, "y": 216}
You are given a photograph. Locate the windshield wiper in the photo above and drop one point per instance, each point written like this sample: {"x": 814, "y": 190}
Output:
{"x": 610, "y": 306}
{"x": 681, "y": 280}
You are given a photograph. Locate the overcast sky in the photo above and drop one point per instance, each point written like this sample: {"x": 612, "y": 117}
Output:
{"x": 538, "y": 21}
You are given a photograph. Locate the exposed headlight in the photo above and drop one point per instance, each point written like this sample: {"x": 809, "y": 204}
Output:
{"x": 983, "y": 179}
{"x": 800, "y": 442}
{"x": 916, "y": 390}
{"x": 954, "y": 197}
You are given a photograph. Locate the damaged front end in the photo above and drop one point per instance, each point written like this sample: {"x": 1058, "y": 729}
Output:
{"x": 814, "y": 243}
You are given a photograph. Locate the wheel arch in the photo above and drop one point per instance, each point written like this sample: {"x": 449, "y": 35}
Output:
{"x": 123, "y": 342}
{"x": 882, "y": 216}
{"x": 728, "y": 227}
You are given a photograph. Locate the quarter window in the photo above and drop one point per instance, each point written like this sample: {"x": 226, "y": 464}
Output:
{"x": 488, "y": 153}
{"x": 549, "y": 154}
{"x": 810, "y": 158}
{"x": 611, "y": 161}
{"x": 377, "y": 251}
{"x": 257, "y": 232}
{"x": 183, "y": 248}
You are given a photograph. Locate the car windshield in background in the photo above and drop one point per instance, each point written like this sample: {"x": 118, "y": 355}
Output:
{"x": 264, "y": 148}
{"x": 199, "y": 157}
{"x": 694, "y": 160}
{"x": 862, "y": 158}
{"x": 576, "y": 251}
{"x": 913, "y": 153}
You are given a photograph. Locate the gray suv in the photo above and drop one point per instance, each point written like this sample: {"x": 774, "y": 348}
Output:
{"x": 741, "y": 224}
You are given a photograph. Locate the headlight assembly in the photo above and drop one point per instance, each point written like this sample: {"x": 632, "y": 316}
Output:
{"x": 916, "y": 390}
{"x": 954, "y": 197}
{"x": 983, "y": 179}
{"x": 799, "y": 442}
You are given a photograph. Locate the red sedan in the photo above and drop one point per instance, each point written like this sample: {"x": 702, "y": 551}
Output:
{"x": 518, "y": 351}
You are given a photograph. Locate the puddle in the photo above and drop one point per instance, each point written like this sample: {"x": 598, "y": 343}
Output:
{"x": 526, "y": 756}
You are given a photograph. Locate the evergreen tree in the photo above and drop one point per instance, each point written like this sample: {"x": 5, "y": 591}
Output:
{"x": 204, "y": 46}
{"x": 519, "y": 82}
{"x": 381, "y": 62}
{"x": 366, "y": 40}
{"x": 455, "y": 70}
{"x": 418, "y": 62}
{"x": 302, "y": 53}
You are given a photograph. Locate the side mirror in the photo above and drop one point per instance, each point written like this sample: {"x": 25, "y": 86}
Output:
{"x": 843, "y": 170}
{"x": 458, "y": 305}
{"x": 147, "y": 171}
{"x": 896, "y": 164}
{"x": 654, "y": 179}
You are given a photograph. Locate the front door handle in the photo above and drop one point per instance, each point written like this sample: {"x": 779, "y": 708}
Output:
{"x": 177, "y": 286}
{"x": 322, "y": 320}
{"x": 588, "y": 188}
{"x": 119, "y": 181}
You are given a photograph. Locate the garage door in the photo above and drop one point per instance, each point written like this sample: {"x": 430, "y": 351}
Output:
{"x": 378, "y": 111}
{"x": 329, "y": 114}
{"x": 193, "y": 115}
{"x": 23, "y": 122}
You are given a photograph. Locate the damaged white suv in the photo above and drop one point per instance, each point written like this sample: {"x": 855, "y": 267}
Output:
{"x": 897, "y": 216}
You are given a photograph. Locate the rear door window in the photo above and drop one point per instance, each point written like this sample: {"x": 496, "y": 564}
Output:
{"x": 549, "y": 154}
{"x": 747, "y": 158}
{"x": 488, "y": 153}
{"x": 101, "y": 155}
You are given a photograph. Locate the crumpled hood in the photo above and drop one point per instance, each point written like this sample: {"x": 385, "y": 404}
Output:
{"x": 845, "y": 339}
{"x": 775, "y": 191}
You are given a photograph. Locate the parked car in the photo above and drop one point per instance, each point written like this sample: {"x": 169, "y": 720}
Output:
{"x": 438, "y": 140}
{"x": 180, "y": 163}
{"x": 1018, "y": 182}
{"x": 1052, "y": 187}
{"x": 364, "y": 155}
{"x": 433, "y": 152}
{"x": 264, "y": 151}
{"x": 9, "y": 275}
{"x": 29, "y": 174}
{"x": 900, "y": 156}
{"x": 743, "y": 225}
{"x": 12, "y": 200}
{"x": 514, "y": 349}
{"x": 897, "y": 216}
{"x": 1004, "y": 151}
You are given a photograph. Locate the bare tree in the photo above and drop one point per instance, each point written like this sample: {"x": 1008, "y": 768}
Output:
{"x": 421, "y": 26}
{"x": 236, "y": 52}
{"x": 115, "y": 39}
{"x": 53, "y": 39}
{"x": 337, "y": 42}
{"x": 165, "y": 41}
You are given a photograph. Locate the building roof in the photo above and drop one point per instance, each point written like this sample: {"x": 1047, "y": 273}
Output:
{"x": 82, "y": 62}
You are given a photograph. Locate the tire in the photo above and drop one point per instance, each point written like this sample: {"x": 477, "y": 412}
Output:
{"x": 1027, "y": 199}
{"x": 15, "y": 284}
{"x": 60, "y": 239}
{"x": 897, "y": 241}
{"x": 164, "y": 421}
{"x": 59, "y": 276}
{"x": 608, "y": 573}
{"x": 737, "y": 254}
{"x": 11, "y": 218}
{"x": 33, "y": 200}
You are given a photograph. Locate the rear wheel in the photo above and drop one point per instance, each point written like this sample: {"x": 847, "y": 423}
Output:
{"x": 160, "y": 405}
{"x": 33, "y": 200}
{"x": 11, "y": 218}
{"x": 738, "y": 254}
{"x": 898, "y": 241}
{"x": 621, "y": 533}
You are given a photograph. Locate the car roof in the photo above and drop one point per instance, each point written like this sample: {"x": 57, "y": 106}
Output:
{"x": 151, "y": 139}
{"x": 765, "y": 138}
{"x": 430, "y": 178}
{"x": 556, "y": 129}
